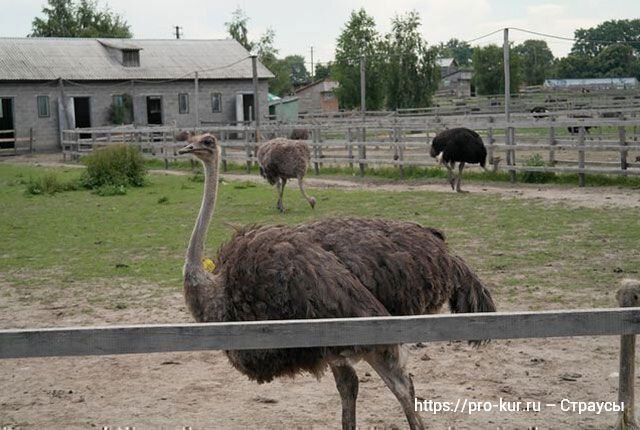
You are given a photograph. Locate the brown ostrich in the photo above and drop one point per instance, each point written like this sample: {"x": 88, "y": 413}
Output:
{"x": 282, "y": 159}
{"x": 334, "y": 268}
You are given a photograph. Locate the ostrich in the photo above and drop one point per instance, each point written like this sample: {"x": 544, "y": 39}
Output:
{"x": 458, "y": 145}
{"x": 332, "y": 268}
{"x": 282, "y": 159}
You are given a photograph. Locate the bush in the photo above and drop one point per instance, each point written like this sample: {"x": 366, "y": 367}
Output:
{"x": 111, "y": 190}
{"x": 536, "y": 160}
{"x": 49, "y": 184}
{"x": 116, "y": 165}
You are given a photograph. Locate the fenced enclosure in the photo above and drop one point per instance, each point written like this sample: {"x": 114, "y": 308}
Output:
{"x": 10, "y": 144}
{"x": 579, "y": 142}
{"x": 24, "y": 343}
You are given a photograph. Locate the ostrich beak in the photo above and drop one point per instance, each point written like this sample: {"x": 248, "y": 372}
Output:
{"x": 186, "y": 150}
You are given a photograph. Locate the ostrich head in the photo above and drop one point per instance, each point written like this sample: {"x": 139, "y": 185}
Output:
{"x": 204, "y": 147}
{"x": 437, "y": 146}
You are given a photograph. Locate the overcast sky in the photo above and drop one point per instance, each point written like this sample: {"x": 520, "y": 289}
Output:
{"x": 299, "y": 25}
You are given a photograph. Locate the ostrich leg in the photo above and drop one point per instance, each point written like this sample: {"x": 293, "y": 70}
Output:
{"x": 450, "y": 176}
{"x": 280, "y": 185}
{"x": 388, "y": 365}
{"x": 347, "y": 383}
{"x": 311, "y": 200}
{"x": 460, "y": 167}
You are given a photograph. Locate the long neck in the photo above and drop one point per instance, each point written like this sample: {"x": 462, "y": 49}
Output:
{"x": 195, "y": 251}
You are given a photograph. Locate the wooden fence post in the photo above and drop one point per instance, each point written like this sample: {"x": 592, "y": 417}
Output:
{"x": 552, "y": 142}
{"x": 223, "y": 149}
{"x": 362, "y": 151}
{"x": 627, "y": 297}
{"x": 31, "y": 140}
{"x": 622, "y": 133}
{"x": 581, "y": 174}
{"x": 350, "y": 147}
{"x": 316, "y": 153}
{"x": 247, "y": 149}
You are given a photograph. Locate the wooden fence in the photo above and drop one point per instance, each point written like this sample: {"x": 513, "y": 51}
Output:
{"x": 600, "y": 142}
{"x": 78, "y": 341}
{"x": 10, "y": 144}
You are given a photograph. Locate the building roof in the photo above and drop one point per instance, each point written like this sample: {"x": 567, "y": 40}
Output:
{"x": 446, "y": 62}
{"x": 91, "y": 59}
{"x": 326, "y": 83}
{"x": 590, "y": 81}
{"x": 277, "y": 100}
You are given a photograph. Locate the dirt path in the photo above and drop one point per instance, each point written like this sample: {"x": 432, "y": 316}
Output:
{"x": 592, "y": 197}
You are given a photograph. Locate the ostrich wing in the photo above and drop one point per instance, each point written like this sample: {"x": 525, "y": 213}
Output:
{"x": 276, "y": 273}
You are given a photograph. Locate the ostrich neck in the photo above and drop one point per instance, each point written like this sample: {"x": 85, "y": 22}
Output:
{"x": 195, "y": 252}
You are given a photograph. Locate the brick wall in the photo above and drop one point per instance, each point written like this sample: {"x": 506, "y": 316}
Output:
{"x": 46, "y": 130}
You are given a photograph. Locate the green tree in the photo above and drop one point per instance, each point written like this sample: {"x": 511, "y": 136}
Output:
{"x": 411, "y": 76}
{"x": 237, "y": 28}
{"x": 461, "y": 51}
{"x": 574, "y": 66}
{"x": 64, "y": 18}
{"x": 323, "y": 70}
{"x": 488, "y": 70}
{"x": 536, "y": 60}
{"x": 592, "y": 41}
{"x": 617, "y": 61}
{"x": 359, "y": 39}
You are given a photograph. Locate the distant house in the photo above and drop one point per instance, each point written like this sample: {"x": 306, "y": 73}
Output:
{"x": 49, "y": 84}
{"x": 283, "y": 109}
{"x": 318, "y": 97}
{"x": 590, "y": 84}
{"x": 454, "y": 80}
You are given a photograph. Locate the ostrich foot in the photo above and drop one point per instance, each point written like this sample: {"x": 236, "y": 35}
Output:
{"x": 461, "y": 191}
{"x": 312, "y": 202}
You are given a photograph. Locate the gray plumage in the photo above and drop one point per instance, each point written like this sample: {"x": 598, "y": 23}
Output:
{"x": 331, "y": 268}
{"x": 283, "y": 159}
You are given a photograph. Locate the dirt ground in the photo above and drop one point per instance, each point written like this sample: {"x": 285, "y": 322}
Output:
{"x": 202, "y": 391}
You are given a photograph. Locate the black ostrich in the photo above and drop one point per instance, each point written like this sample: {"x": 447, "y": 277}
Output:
{"x": 458, "y": 145}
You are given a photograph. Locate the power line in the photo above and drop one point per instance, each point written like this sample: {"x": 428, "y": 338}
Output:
{"x": 552, "y": 36}
{"x": 483, "y": 36}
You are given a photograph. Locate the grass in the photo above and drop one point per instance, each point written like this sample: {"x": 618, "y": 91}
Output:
{"x": 82, "y": 243}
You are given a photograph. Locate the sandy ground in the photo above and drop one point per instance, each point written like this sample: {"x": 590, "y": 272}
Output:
{"x": 201, "y": 390}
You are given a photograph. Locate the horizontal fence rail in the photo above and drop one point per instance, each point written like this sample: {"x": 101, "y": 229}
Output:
{"x": 581, "y": 142}
{"x": 134, "y": 339}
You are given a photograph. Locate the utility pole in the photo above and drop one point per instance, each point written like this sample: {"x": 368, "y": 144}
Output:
{"x": 312, "y": 72}
{"x": 256, "y": 100}
{"x": 363, "y": 99}
{"x": 197, "y": 100}
{"x": 507, "y": 107}
{"x": 178, "y": 28}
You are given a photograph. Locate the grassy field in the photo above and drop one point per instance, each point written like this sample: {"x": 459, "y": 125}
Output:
{"x": 127, "y": 250}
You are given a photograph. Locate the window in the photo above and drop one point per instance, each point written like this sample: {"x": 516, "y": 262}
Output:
{"x": 43, "y": 106}
{"x": 216, "y": 102}
{"x": 118, "y": 100}
{"x": 183, "y": 103}
{"x": 130, "y": 58}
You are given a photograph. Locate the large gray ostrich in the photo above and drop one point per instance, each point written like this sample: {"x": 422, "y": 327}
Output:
{"x": 282, "y": 159}
{"x": 458, "y": 145}
{"x": 334, "y": 268}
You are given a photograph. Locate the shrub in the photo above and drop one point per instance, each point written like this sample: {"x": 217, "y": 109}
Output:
{"x": 536, "y": 160}
{"x": 49, "y": 184}
{"x": 115, "y": 165}
{"x": 111, "y": 190}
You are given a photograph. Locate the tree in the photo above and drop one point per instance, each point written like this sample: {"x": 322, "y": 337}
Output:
{"x": 237, "y": 28}
{"x": 323, "y": 70}
{"x": 574, "y": 66}
{"x": 64, "y": 18}
{"x": 461, "y": 51}
{"x": 536, "y": 60}
{"x": 592, "y": 41}
{"x": 488, "y": 68}
{"x": 411, "y": 76}
{"x": 617, "y": 61}
{"x": 359, "y": 39}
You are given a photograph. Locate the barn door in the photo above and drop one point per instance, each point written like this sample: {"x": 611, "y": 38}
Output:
{"x": 239, "y": 109}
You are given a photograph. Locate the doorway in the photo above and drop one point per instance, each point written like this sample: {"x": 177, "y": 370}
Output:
{"x": 6, "y": 123}
{"x": 154, "y": 110}
{"x": 245, "y": 108}
{"x": 82, "y": 112}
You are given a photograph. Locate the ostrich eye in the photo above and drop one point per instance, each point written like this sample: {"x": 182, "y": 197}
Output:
{"x": 209, "y": 141}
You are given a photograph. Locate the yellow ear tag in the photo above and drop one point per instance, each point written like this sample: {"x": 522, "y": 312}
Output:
{"x": 208, "y": 265}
